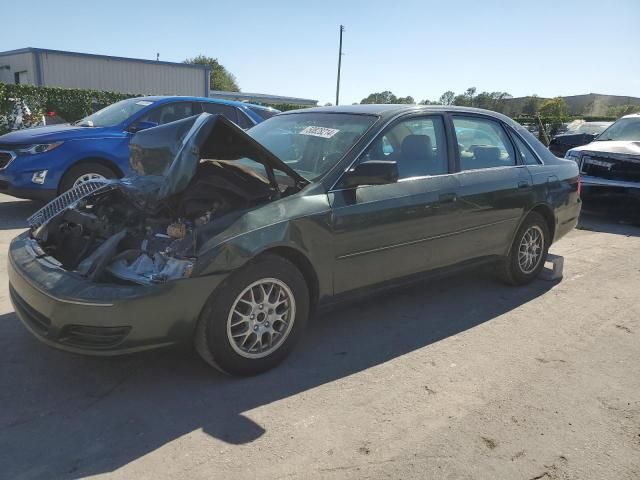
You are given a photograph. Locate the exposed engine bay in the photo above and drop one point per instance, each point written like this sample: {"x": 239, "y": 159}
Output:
{"x": 190, "y": 186}
{"x": 107, "y": 237}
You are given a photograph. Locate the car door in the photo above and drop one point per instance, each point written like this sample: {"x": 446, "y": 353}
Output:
{"x": 384, "y": 232}
{"x": 495, "y": 187}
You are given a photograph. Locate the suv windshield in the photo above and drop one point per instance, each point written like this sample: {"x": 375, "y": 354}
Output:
{"x": 623, "y": 129}
{"x": 311, "y": 143}
{"x": 114, "y": 114}
{"x": 591, "y": 128}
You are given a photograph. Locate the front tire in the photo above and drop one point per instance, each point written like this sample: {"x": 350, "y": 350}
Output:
{"x": 253, "y": 320}
{"x": 84, "y": 172}
{"x": 528, "y": 252}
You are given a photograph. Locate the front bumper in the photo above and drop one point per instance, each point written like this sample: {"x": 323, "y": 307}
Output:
{"x": 589, "y": 181}
{"x": 68, "y": 312}
{"x": 613, "y": 189}
{"x": 31, "y": 193}
{"x": 16, "y": 176}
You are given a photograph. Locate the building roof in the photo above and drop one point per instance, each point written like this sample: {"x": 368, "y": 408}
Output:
{"x": 103, "y": 57}
{"x": 262, "y": 98}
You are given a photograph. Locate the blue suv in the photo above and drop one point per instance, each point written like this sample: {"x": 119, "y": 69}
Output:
{"x": 42, "y": 162}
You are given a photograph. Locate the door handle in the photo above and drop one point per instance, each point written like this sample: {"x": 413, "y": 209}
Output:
{"x": 524, "y": 184}
{"x": 447, "y": 197}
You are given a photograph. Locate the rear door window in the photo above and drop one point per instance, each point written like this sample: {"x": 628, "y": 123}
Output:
{"x": 169, "y": 113}
{"x": 527, "y": 157}
{"x": 218, "y": 108}
{"x": 243, "y": 120}
{"x": 482, "y": 143}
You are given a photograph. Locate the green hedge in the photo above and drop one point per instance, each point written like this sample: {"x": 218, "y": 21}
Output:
{"x": 70, "y": 103}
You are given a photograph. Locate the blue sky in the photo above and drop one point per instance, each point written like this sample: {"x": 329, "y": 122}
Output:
{"x": 411, "y": 47}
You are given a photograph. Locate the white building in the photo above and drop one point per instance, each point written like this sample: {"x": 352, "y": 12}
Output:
{"x": 55, "y": 68}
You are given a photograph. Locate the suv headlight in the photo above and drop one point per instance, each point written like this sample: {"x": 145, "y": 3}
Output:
{"x": 572, "y": 154}
{"x": 39, "y": 148}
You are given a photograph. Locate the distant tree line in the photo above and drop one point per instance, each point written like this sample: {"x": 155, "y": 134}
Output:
{"x": 503, "y": 102}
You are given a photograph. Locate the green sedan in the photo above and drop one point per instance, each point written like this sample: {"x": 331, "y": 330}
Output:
{"x": 230, "y": 240}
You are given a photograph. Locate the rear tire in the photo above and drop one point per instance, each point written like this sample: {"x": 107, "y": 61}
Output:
{"x": 528, "y": 252}
{"x": 85, "y": 170}
{"x": 266, "y": 304}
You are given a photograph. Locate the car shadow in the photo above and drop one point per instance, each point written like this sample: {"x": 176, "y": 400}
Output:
{"x": 66, "y": 416}
{"x": 14, "y": 214}
{"x": 610, "y": 215}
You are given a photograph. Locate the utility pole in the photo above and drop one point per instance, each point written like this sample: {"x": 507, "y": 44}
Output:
{"x": 339, "y": 65}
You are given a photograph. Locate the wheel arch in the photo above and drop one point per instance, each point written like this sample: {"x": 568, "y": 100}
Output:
{"x": 302, "y": 263}
{"x": 546, "y": 212}
{"x": 110, "y": 164}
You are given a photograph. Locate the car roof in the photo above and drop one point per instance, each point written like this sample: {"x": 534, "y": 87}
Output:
{"x": 169, "y": 98}
{"x": 391, "y": 110}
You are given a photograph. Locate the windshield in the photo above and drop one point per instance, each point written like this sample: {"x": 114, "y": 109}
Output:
{"x": 624, "y": 129}
{"x": 311, "y": 143}
{"x": 114, "y": 114}
{"x": 590, "y": 128}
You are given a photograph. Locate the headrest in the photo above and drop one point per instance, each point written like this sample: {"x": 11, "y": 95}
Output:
{"x": 487, "y": 155}
{"x": 417, "y": 146}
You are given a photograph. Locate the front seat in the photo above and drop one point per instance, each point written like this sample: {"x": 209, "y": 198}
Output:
{"x": 417, "y": 156}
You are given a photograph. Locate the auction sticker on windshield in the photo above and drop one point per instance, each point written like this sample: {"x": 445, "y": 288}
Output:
{"x": 321, "y": 132}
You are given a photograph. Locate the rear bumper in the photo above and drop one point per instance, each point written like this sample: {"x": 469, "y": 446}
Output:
{"x": 70, "y": 313}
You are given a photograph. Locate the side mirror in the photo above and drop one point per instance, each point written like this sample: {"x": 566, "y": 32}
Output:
{"x": 141, "y": 125}
{"x": 372, "y": 172}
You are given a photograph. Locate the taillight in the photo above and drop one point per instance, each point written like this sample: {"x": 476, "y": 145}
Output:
{"x": 579, "y": 185}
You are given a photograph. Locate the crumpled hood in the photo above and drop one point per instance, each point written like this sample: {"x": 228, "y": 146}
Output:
{"x": 170, "y": 153}
{"x": 56, "y": 133}
{"x": 612, "y": 147}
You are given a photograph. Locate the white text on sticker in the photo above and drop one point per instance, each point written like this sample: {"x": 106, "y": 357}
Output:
{"x": 322, "y": 132}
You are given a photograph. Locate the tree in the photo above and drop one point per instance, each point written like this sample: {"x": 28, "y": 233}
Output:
{"x": 219, "y": 78}
{"x": 553, "y": 108}
{"x": 531, "y": 105}
{"x": 447, "y": 98}
{"x": 623, "y": 110}
{"x": 382, "y": 97}
{"x": 426, "y": 101}
{"x": 408, "y": 100}
{"x": 461, "y": 101}
{"x": 469, "y": 94}
{"x": 491, "y": 101}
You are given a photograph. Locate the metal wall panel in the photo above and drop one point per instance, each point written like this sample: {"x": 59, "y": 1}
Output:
{"x": 18, "y": 62}
{"x": 120, "y": 75}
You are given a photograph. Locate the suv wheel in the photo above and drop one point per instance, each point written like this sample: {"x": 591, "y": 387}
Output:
{"x": 85, "y": 172}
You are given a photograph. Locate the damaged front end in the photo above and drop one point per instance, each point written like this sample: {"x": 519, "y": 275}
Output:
{"x": 195, "y": 177}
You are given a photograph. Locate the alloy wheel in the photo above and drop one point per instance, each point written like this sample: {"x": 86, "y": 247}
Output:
{"x": 261, "y": 318}
{"x": 87, "y": 177}
{"x": 531, "y": 249}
